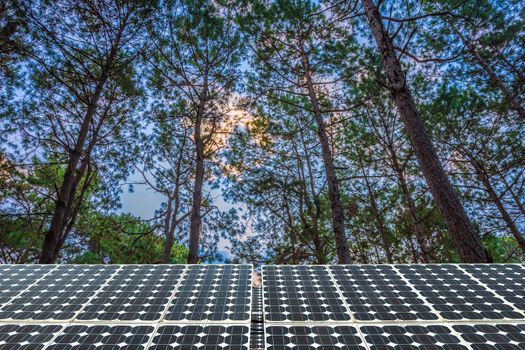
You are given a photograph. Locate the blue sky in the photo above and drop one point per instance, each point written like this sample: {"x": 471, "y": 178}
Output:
{"x": 143, "y": 202}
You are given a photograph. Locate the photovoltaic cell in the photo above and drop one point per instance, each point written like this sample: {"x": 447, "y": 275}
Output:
{"x": 301, "y": 293}
{"x": 428, "y": 337}
{"x": 505, "y": 280}
{"x": 16, "y": 278}
{"x": 211, "y": 337}
{"x": 136, "y": 292}
{"x": 59, "y": 294}
{"x": 455, "y": 295}
{"x": 377, "y": 292}
{"x": 26, "y": 337}
{"x": 493, "y": 336}
{"x": 103, "y": 337}
{"x": 213, "y": 293}
{"x": 322, "y": 337}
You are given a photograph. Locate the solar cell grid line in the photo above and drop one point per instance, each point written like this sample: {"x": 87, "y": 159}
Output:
{"x": 455, "y": 295}
{"x": 492, "y": 336}
{"x": 420, "y": 296}
{"x": 59, "y": 295}
{"x": 135, "y": 293}
{"x": 15, "y": 279}
{"x": 504, "y": 280}
{"x": 212, "y": 293}
{"x": 26, "y": 336}
{"x": 201, "y": 337}
{"x": 341, "y": 296}
{"x": 103, "y": 337}
{"x": 313, "y": 337}
{"x": 301, "y": 293}
{"x": 412, "y": 337}
{"x": 378, "y": 293}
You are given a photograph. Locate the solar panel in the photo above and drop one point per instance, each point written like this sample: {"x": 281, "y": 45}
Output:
{"x": 59, "y": 295}
{"x": 103, "y": 337}
{"x": 214, "y": 307}
{"x": 506, "y": 281}
{"x": 493, "y": 336}
{"x": 211, "y": 337}
{"x": 377, "y": 292}
{"x": 407, "y": 337}
{"x": 16, "y": 278}
{"x": 136, "y": 292}
{"x": 213, "y": 293}
{"x": 397, "y": 336}
{"x": 26, "y": 337}
{"x": 324, "y": 337}
{"x": 301, "y": 293}
{"x": 455, "y": 295}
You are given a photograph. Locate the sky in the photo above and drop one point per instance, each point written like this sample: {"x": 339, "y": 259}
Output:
{"x": 143, "y": 202}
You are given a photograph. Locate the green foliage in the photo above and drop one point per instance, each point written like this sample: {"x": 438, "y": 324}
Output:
{"x": 118, "y": 239}
{"x": 179, "y": 59}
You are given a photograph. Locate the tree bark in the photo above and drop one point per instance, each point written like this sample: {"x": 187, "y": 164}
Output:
{"x": 338, "y": 219}
{"x": 168, "y": 237}
{"x": 172, "y": 219}
{"x": 195, "y": 219}
{"x": 467, "y": 242}
{"x": 494, "y": 197}
{"x": 59, "y": 218}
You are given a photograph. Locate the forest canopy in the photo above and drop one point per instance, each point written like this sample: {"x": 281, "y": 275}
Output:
{"x": 285, "y": 131}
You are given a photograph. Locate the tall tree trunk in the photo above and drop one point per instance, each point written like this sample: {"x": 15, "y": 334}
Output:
{"x": 195, "y": 219}
{"x": 290, "y": 223}
{"x": 484, "y": 179}
{"x": 315, "y": 214}
{"x": 511, "y": 100}
{"x": 50, "y": 248}
{"x": 168, "y": 237}
{"x": 314, "y": 209}
{"x": 378, "y": 218}
{"x": 409, "y": 203}
{"x": 414, "y": 221}
{"x": 172, "y": 219}
{"x": 467, "y": 242}
{"x": 338, "y": 219}
{"x": 74, "y": 203}
{"x": 59, "y": 218}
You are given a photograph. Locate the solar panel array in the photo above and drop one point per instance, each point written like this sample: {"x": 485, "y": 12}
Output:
{"x": 301, "y": 293}
{"x": 133, "y": 307}
{"x": 213, "y": 293}
{"x": 134, "y": 293}
{"x": 214, "y": 307}
{"x": 376, "y": 307}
